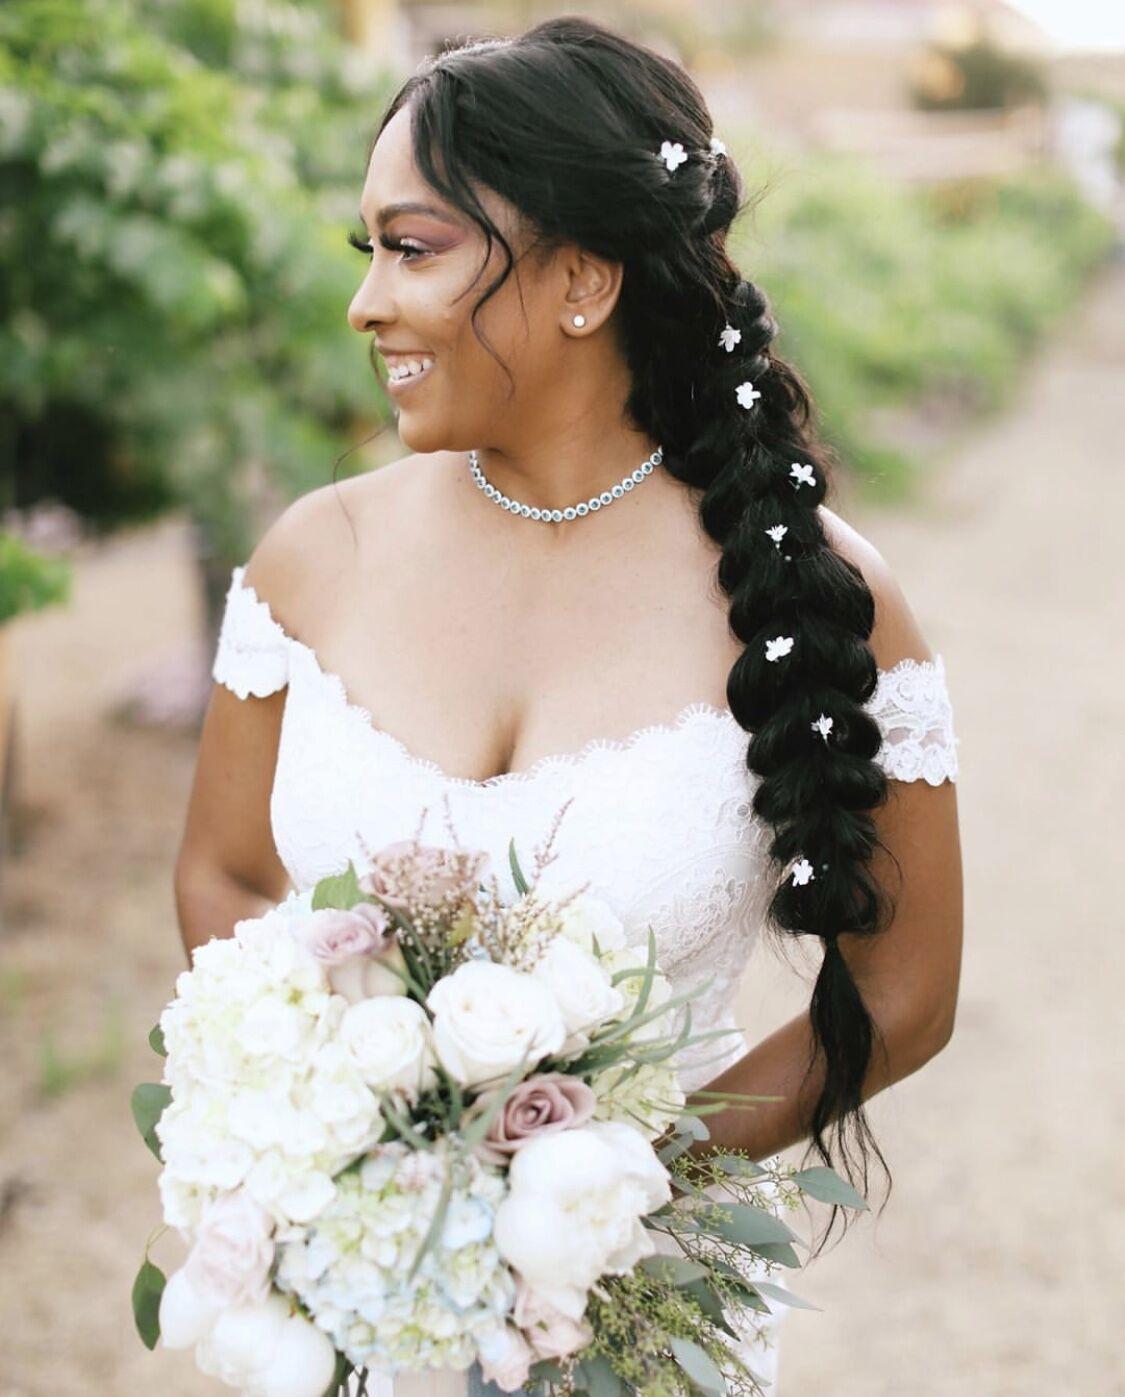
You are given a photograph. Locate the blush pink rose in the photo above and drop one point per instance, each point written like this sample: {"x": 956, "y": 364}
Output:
{"x": 537, "y": 1106}
{"x": 550, "y": 1333}
{"x": 356, "y": 948}
{"x": 230, "y": 1260}
{"x": 407, "y": 874}
{"x": 334, "y": 936}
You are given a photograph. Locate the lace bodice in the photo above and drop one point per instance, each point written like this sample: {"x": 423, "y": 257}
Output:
{"x": 659, "y": 824}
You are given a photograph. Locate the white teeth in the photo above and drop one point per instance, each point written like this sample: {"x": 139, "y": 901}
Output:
{"x": 407, "y": 369}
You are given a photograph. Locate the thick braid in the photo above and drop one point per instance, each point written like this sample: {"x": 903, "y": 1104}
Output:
{"x": 805, "y": 615}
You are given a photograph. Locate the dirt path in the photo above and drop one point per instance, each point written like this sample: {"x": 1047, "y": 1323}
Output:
{"x": 993, "y": 1270}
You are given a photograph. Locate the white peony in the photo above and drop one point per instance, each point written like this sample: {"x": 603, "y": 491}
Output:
{"x": 268, "y": 1352}
{"x": 574, "y": 1207}
{"x": 489, "y": 1017}
{"x": 185, "y": 1315}
{"x": 390, "y": 1042}
{"x": 582, "y": 989}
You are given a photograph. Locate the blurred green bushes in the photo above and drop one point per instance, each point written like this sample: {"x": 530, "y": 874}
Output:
{"x": 888, "y": 294}
{"x": 175, "y": 179}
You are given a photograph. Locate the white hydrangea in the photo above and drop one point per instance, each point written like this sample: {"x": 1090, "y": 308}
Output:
{"x": 262, "y": 1093}
{"x": 351, "y": 1269}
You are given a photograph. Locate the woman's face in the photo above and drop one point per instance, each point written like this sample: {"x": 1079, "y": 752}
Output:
{"x": 416, "y": 301}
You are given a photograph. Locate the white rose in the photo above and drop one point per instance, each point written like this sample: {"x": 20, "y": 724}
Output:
{"x": 230, "y": 1261}
{"x": 580, "y": 986}
{"x": 489, "y": 1017}
{"x": 573, "y": 1211}
{"x": 389, "y": 1041}
{"x": 587, "y": 919}
{"x": 185, "y": 1315}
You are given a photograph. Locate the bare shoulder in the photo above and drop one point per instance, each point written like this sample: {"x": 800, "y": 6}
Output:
{"x": 896, "y": 634}
{"x": 314, "y": 541}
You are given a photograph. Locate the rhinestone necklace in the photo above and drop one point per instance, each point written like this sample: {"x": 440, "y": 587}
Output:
{"x": 572, "y": 511}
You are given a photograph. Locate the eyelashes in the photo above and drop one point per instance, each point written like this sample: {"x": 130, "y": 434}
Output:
{"x": 362, "y": 245}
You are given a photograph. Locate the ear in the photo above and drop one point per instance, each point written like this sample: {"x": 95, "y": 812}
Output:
{"x": 592, "y": 287}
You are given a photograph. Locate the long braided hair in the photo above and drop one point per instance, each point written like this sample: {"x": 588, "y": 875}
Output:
{"x": 567, "y": 122}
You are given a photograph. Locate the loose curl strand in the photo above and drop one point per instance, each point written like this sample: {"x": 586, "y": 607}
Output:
{"x": 566, "y": 122}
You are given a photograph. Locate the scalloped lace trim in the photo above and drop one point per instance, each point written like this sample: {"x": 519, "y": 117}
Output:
{"x": 910, "y": 702}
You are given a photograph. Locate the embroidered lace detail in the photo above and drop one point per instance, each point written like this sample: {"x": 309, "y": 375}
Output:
{"x": 912, "y": 707}
{"x": 252, "y": 655}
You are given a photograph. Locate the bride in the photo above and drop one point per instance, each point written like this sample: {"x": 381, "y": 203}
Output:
{"x": 604, "y": 579}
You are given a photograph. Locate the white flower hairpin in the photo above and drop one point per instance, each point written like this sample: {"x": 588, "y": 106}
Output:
{"x": 780, "y": 645}
{"x": 802, "y": 475}
{"x": 747, "y": 394}
{"x": 673, "y": 154}
{"x": 777, "y": 533}
{"x": 823, "y": 725}
{"x": 802, "y": 873}
{"x": 717, "y": 147}
{"x": 729, "y": 338}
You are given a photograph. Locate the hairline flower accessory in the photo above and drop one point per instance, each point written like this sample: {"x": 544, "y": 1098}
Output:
{"x": 673, "y": 154}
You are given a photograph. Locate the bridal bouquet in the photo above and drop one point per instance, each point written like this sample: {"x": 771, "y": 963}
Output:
{"x": 405, "y": 1125}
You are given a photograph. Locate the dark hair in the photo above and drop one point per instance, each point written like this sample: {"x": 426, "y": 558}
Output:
{"x": 566, "y": 122}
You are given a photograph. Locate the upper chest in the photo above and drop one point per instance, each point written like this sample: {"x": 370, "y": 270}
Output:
{"x": 484, "y": 659}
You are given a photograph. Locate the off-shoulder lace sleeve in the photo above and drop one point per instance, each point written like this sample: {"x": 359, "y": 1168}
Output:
{"x": 252, "y": 655}
{"x": 911, "y": 705}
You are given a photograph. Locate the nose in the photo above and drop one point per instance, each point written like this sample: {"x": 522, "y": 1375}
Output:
{"x": 369, "y": 306}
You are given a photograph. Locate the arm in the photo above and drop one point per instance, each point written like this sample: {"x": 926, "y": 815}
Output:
{"x": 908, "y": 974}
{"x": 227, "y": 867}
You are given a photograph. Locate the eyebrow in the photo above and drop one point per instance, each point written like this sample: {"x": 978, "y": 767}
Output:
{"x": 390, "y": 211}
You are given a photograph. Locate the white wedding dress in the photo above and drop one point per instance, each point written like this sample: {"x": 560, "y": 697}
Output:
{"x": 659, "y": 825}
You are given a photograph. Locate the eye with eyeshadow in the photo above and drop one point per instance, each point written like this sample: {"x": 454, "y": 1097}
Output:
{"x": 392, "y": 245}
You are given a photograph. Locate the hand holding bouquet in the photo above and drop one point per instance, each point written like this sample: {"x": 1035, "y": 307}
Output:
{"x": 405, "y": 1125}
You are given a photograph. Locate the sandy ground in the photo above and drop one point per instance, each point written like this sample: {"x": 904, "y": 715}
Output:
{"x": 993, "y": 1270}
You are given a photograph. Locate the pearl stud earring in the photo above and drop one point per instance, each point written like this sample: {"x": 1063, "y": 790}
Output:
{"x": 580, "y": 320}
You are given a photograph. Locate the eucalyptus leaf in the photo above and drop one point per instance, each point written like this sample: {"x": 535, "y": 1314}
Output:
{"x": 747, "y": 1225}
{"x": 711, "y": 1305}
{"x": 826, "y": 1185}
{"x": 148, "y": 1287}
{"x": 699, "y": 1368}
{"x": 148, "y": 1102}
{"x": 597, "y": 1377}
{"x": 693, "y": 1126}
{"x": 674, "y": 1270}
{"x": 778, "y": 1292}
{"x": 736, "y": 1164}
